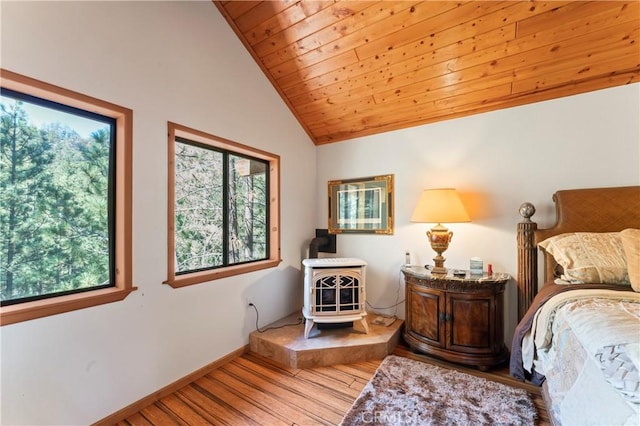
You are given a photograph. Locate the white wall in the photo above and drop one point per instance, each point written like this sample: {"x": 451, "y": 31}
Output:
{"x": 497, "y": 160}
{"x": 176, "y": 61}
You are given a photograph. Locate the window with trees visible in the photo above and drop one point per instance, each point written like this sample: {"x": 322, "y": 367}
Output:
{"x": 64, "y": 200}
{"x": 224, "y": 207}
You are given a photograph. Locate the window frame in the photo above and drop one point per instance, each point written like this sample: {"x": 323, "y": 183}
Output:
{"x": 273, "y": 256}
{"x": 123, "y": 285}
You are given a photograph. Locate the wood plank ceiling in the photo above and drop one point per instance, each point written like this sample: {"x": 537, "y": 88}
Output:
{"x": 354, "y": 68}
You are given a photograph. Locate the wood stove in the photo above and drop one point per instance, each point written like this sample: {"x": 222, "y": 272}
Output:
{"x": 334, "y": 292}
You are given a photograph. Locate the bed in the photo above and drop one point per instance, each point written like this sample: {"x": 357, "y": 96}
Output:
{"x": 578, "y": 334}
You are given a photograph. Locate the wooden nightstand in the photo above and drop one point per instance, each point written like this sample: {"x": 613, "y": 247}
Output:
{"x": 459, "y": 319}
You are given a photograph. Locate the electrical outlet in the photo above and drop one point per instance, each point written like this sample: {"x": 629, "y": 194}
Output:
{"x": 249, "y": 301}
{"x": 407, "y": 257}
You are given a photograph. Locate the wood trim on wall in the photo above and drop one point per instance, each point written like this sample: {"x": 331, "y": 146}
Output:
{"x": 123, "y": 279}
{"x": 176, "y": 281}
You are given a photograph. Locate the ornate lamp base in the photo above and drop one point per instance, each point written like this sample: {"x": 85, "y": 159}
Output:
{"x": 439, "y": 237}
{"x": 438, "y": 268}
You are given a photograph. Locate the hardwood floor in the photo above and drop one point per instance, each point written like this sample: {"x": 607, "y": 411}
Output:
{"x": 253, "y": 390}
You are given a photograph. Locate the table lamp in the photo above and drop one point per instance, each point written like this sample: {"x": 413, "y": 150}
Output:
{"x": 438, "y": 206}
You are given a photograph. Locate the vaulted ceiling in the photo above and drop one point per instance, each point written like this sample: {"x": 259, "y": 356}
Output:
{"x": 354, "y": 68}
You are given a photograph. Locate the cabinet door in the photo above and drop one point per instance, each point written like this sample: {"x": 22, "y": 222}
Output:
{"x": 472, "y": 323}
{"x": 425, "y": 308}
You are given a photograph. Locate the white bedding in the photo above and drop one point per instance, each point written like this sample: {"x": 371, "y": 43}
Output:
{"x": 587, "y": 344}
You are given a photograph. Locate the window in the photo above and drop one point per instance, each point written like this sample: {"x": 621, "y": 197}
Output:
{"x": 223, "y": 208}
{"x": 65, "y": 200}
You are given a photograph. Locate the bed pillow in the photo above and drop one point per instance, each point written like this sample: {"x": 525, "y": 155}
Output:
{"x": 631, "y": 246}
{"x": 589, "y": 257}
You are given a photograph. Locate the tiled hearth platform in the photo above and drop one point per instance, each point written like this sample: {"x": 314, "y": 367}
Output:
{"x": 289, "y": 347}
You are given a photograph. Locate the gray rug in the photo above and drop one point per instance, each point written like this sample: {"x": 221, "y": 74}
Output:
{"x": 408, "y": 392}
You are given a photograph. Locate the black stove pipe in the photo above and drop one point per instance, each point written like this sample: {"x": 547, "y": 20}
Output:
{"x": 314, "y": 246}
{"x": 323, "y": 242}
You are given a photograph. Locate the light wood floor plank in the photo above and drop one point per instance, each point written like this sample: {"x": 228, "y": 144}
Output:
{"x": 135, "y": 420}
{"x": 361, "y": 371}
{"x": 213, "y": 410}
{"x": 244, "y": 399}
{"x": 155, "y": 415}
{"x": 329, "y": 383}
{"x": 326, "y": 394}
{"x": 358, "y": 385}
{"x": 312, "y": 400}
{"x": 266, "y": 401}
{"x": 182, "y": 410}
{"x": 331, "y": 373}
{"x": 254, "y": 390}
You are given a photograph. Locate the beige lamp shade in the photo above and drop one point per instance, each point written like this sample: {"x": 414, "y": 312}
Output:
{"x": 437, "y": 206}
{"x": 440, "y": 206}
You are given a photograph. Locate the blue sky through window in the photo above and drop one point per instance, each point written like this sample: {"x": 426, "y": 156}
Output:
{"x": 41, "y": 116}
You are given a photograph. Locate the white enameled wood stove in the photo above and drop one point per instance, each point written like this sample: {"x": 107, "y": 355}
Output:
{"x": 334, "y": 291}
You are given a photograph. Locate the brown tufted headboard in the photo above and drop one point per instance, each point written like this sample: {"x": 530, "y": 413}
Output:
{"x": 577, "y": 210}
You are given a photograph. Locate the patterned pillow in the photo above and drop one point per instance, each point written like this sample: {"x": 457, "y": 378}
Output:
{"x": 631, "y": 246}
{"x": 589, "y": 257}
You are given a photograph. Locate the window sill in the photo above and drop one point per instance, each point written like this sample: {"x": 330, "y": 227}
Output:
{"x": 41, "y": 308}
{"x": 215, "y": 274}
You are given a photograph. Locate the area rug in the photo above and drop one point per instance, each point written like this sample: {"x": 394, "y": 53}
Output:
{"x": 408, "y": 392}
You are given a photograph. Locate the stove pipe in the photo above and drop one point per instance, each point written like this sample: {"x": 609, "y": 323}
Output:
{"x": 323, "y": 242}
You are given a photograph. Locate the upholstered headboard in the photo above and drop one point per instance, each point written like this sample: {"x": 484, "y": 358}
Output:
{"x": 577, "y": 210}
